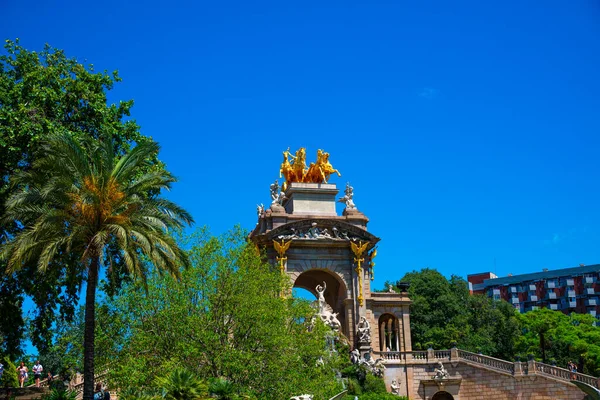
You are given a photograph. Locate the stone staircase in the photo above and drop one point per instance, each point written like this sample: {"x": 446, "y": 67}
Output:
{"x": 529, "y": 368}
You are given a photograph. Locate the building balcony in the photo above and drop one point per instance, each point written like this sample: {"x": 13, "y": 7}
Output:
{"x": 553, "y": 306}
{"x": 551, "y": 284}
{"x": 571, "y": 293}
{"x": 572, "y": 304}
{"x": 590, "y": 290}
{"x": 532, "y": 288}
{"x": 513, "y": 289}
{"x": 592, "y": 312}
{"x": 515, "y": 300}
{"x": 552, "y": 295}
{"x": 592, "y": 302}
{"x": 533, "y": 298}
{"x": 496, "y": 292}
{"x": 570, "y": 282}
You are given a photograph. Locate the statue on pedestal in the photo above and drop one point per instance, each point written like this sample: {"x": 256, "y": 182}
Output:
{"x": 347, "y": 198}
{"x": 277, "y": 196}
{"x": 440, "y": 372}
{"x": 363, "y": 330}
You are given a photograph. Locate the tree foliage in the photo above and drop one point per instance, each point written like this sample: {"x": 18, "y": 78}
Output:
{"x": 225, "y": 318}
{"x": 443, "y": 312}
{"x": 555, "y": 336}
{"x": 43, "y": 94}
{"x": 87, "y": 201}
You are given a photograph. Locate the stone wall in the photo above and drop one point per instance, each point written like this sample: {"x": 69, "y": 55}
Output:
{"x": 469, "y": 382}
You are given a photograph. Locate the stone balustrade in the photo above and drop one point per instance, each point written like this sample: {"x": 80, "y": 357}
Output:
{"x": 516, "y": 369}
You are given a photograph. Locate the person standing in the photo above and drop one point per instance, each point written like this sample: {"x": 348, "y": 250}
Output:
{"x": 22, "y": 370}
{"x": 37, "y": 372}
{"x": 98, "y": 393}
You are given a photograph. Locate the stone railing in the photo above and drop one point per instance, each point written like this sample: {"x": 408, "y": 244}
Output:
{"x": 78, "y": 388}
{"x": 517, "y": 368}
{"x": 563, "y": 374}
{"x": 490, "y": 362}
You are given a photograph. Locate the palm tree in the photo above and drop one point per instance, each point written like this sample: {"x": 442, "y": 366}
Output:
{"x": 80, "y": 198}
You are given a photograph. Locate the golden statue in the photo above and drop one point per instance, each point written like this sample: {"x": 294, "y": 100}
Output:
{"x": 293, "y": 168}
{"x": 320, "y": 171}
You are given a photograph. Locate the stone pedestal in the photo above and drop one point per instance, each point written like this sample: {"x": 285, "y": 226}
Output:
{"x": 311, "y": 199}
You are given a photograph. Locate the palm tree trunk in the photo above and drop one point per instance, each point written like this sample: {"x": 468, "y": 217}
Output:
{"x": 89, "y": 332}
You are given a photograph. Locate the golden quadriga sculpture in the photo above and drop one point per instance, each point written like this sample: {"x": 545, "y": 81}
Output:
{"x": 294, "y": 169}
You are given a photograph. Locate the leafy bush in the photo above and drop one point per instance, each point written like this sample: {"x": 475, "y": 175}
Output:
{"x": 374, "y": 384}
{"x": 354, "y": 386}
{"x": 182, "y": 385}
{"x": 60, "y": 395}
{"x": 9, "y": 378}
{"x": 222, "y": 389}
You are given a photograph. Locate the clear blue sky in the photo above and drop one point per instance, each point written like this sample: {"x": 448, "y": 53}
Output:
{"x": 469, "y": 130}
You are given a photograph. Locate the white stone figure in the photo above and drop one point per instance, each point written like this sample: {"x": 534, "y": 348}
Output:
{"x": 277, "y": 196}
{"x": 321, "y": 292}
{"x": 347, "y": 198}
{"x": 440, "y": 372}
{"x": 391, "y": 289}
{"x": 355, "y": 356}
{"x": 260, "y": 209}
{"x": 364, "y": 331}
{"x": 274, "y": 191}
{"x": 302, "y": 397}
{"x": 395, "y": 387}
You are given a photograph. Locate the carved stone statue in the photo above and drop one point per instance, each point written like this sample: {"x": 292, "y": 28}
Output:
{"x": 391, "y": 289}
{"x": 321, "y": 299}
{"x": 325, "y": 311}
{"x": 302, "y": 397}
{"x": 347, "y": 198}
{"x": 395, "y": 387}
{"x": 260, "y": 209}
{"x": 355, "y": 356}
{"x": 363, "y": 330}
{"x": 277, "y": 196}
{"x": 440, "y": 372}
{"x": 376, "y": 367}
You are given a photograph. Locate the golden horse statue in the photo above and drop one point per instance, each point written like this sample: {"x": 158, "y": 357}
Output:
{"x": 320, "y": 171}
{"x": 293, "y": 168}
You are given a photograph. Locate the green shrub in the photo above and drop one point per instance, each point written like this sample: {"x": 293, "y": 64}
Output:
{"x": 222, "y": 389}
{"x": 373, "y": 384}
{"x": 60, "y": 395}
{"x": 182, "y": 385}
{"x": 10, "y": 377}
{"x": 354, "y": 386}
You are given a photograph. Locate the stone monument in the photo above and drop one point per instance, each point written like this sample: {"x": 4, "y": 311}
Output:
{"x": 331, "y": 255}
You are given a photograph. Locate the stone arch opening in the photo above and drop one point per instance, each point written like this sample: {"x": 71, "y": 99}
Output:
{"x": 335, "y": 293}
{"x": 388, "y": 333}
{"x": 442, "y": 396}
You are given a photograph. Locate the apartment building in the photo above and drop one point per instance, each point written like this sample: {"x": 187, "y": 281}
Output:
{"x": 568, "y": 290}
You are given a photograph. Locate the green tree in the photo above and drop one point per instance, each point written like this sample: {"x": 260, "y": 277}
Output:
{"x": 81, "y": 199}
{"x": 225, "y": 319}
{"x": 443, "y": 312}
{"x": 42, "y": 94}
{"x": 553, "y": 335}
{"x": 10, "y": 379}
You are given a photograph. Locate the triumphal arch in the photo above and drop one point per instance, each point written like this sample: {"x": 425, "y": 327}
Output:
{"x": 332, "y": 256}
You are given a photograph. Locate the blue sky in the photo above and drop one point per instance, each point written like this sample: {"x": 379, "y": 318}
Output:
{"x": 469, "y": 130}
